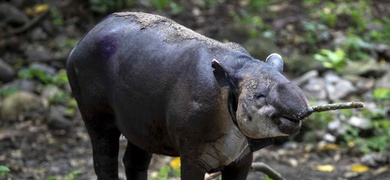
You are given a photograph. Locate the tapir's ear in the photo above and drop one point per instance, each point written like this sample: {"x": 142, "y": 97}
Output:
{"x": 276, "y": 61}
{"x": 220, "y": 74}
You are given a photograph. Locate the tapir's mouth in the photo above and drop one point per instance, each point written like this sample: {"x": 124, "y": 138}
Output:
{"x": 288, "y": 125}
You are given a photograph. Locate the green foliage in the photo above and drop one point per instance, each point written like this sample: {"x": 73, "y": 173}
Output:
{"x": 259, "y": 6}
{"x": 328, "y": 15}
{"x": 44, "y": 77}
{"x": 34, "y": 73}
{"x": 352, "y": 49}
{"x": 381, "y": 94}
{"x": 208, "y": 3}
{"x": 256, "y": 22}
{"x": 332, "y": 59}
{"x": 4, "y": 92}
{"x": 175, "y": 8}
{"x": 69, "y": 43}
{"x": 378, "y": 142}
{"x": 253, "y": 24}
{"x": 355, "y": 46}
{"x": 382, "y": 35}
{"x": 357, "y": 13}
{"x": 72, "y": 106}
{"x": 70, "y": 176}
{"x": 56, "y": 17}
{"x": 108, "y": 6}
{"x": 58, "y": 79}
{"x": 321, "y": 119}
{"x": 5, "y": 171}
{"x": 311, "y": 2}
{"x": 61, "y": 97}
{"x": 162, "y": 5}
{"x": 166, "y": 172}
{"x": 315, "y": 33}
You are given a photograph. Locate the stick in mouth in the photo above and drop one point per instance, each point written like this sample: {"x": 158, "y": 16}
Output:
{"x": 329, "y": 107}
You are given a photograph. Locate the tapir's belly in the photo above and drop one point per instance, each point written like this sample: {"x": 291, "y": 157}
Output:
{"x": 142, "y": 120}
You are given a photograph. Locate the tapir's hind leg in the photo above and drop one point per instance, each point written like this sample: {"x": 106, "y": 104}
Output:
{"x": 105, "y": 143}
{"x": 136, "y": 162}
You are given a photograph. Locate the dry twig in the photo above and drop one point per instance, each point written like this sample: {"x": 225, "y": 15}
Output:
{"x": 27, "y": 26}
{"x": 257, "y": 166}
{"x": 212, "y": 176}
{"x": 262, "y": 167}
{"x": 329, "y": 107}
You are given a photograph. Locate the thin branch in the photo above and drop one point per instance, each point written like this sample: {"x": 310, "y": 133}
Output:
{"x": 27, "y": 26}
{"x": 259, "y": 166}
{"x": 329, "y": 107}
{"x": 212, "y": 175}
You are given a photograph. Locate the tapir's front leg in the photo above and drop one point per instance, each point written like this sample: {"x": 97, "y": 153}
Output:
{"x": 239, "y": 169}
{"x": 191, "y": 171}
{"x": 136, "y": 162}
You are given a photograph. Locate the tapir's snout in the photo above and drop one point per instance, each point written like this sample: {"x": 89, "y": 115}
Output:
{"x": 291, "y": 106}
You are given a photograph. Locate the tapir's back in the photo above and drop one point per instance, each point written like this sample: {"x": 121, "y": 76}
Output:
{"x": 143, "y": 53}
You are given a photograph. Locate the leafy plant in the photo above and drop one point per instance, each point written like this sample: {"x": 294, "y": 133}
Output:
{"x": 315, "y": 33}
{"x": 168, "y": 171}
{"x": 70, "y": 176}
{"x": 56, "y": 17}
{"x": 162, "y": 5}
{"x": 208, "y": 3}
{"x": 328, "y": 14}
{"x": 259, "y": 6}
{"x": 6, "y": 91}
{"x": 58, "y": 79}
{"x": 321, "y": 119}
{"x": 355, "y": 47}
{"x": 381, "y": 94}
{"x": 5, "y": 171}
{"x": 381, "y": 35}
{"x": 375, "y": 143}
{"x": 34, "y": 73}
{"x": 332, "y": 59}
{"x": 61, "y": 97}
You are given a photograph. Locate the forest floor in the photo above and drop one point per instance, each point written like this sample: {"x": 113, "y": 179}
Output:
{"x": 34, "y": 152}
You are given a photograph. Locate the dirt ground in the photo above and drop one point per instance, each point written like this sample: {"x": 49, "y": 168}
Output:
{"x": 34, "y": 152}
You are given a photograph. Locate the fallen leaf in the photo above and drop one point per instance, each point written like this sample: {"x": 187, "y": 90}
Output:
{"x": 328, "y": 147}
{"x": 325, "y": 168}
{"x": 175, "y": 163}
{"x": 351, "y": 144}
{"x": 40, "y": 8}
{"x": 360, "y": 168}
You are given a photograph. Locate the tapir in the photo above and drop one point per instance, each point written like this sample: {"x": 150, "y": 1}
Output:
{"x": 171, "y": 91}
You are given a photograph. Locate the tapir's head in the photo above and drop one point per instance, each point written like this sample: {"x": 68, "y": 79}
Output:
{"x": 265, "y": 103}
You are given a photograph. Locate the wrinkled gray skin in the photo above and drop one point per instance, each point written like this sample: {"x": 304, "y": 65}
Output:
{"x": 167, "y": 88}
